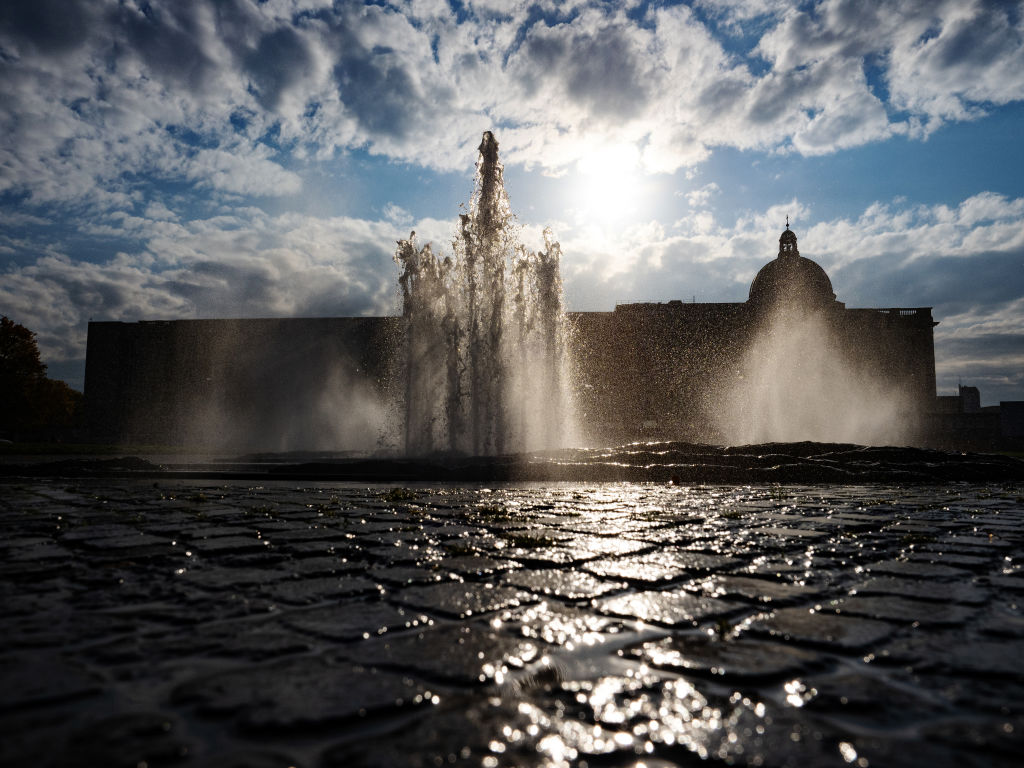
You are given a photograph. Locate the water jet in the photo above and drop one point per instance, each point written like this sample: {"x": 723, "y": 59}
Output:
{"x": 485, "y": 341}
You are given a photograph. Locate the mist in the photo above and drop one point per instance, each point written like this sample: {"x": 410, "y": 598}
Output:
{"x": 797, "y": 381}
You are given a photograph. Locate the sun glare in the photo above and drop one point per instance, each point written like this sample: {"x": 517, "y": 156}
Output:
{"x": 608, "y": 184}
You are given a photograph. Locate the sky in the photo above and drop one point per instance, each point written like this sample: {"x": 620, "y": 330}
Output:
{"x": 235, "y": 158}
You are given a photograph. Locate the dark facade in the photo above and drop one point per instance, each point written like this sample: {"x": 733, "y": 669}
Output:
{"x": 644, "y": 370}
{"x": 684, "y": 370}
{"x": 267, "y": 384}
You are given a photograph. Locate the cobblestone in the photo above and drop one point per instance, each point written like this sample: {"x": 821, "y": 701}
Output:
{"x": 195, "y": 624}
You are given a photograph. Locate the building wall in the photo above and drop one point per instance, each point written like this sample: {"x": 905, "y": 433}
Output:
{"x": 265, "y": 384}
{"x": 641, "y": 371}
{"x": 676, "y": 369}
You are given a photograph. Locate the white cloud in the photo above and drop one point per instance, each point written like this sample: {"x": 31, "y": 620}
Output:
{"x": 172, "y": 89}
{"x": 698, "y": 198}
{"x": 245, "y": 170}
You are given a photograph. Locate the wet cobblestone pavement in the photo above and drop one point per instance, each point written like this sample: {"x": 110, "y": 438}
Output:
{"x": 560, "y": 624}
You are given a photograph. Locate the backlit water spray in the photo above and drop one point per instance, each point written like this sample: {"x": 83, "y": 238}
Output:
{"x": 485, "y": 349}
{"x": 799, "y": 383}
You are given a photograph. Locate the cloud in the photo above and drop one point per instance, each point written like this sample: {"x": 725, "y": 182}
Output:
{"x": 99, "y": 95}
{"x": 942, "y": 60}
{"x": 238, "y": 266}
{"x": 243, "y": 169}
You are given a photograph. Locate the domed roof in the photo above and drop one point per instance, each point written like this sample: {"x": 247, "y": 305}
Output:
{"x": 791, "y": 278}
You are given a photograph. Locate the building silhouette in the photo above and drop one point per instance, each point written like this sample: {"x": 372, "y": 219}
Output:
{"x": 692, "y": 370}
{"x": 791, "y": 360}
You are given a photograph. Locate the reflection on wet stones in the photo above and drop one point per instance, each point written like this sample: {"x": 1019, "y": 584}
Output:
{"x": 759, "y": 590}
{"x": 822, "y": 628}
{"x": 571, "y": 585}
{"x": 353, "y": 619}
{"x": 965, "y": 592}
{"x": 460, "y": 600}
{"x": 540, "y": 625}
{"x": 902, "y": 610}
{"x": 300, "y": 693}
{"x": 659, "y": 566}
{"x": 566, "y": 627}
{"x": 667, "y": 607}
{"x": 917, "y": 569}
{"x": 466, "y": 654}
{"x": 742, "y": 658}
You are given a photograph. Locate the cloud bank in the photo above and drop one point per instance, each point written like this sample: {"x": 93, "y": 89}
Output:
{"x": 234, "y": 95}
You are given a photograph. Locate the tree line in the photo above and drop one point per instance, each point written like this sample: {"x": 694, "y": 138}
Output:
{"x": 32, "y": 406}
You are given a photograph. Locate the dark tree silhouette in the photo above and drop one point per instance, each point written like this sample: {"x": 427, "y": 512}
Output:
{"x": 30, "y": 403}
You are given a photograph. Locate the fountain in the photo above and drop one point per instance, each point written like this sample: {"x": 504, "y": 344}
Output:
{"x": 485, "y": 360}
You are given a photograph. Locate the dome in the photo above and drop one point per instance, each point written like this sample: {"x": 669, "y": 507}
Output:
{"x": 791, "y": 278}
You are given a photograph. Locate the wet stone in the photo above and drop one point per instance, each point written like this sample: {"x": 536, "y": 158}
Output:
{"x": 248, "y": 758}
{"x": 215, "y": 577}
{"x": 31, "y": 554}
{"x": 761, "y": 590}
{"x": 742, "y": 658}
{"x": 945, "y": 557}
{"x": 461, "y": 731}
{"x": 133, "y": 540}
{"x": 902, "y": 609}
{"x": 917, "y": 569}
{"x": 1002, "y": 618}
{"x": 819, "y": 628}
{"x": 461, "y": 599}
{"x": 140, "y": 738}
{"x": 46, "y": 678}
{"x": 588, "y": 547}
{"x": 658, "y": 566}
{"x": 966, "y": 592}
{"x": 353, "y": 619}
{"x": 320, "y": 649}
{"x": 558, "y": 624}
{"x": 790, "y": 533}
{"x": 228, "y": 545}
{"x": 324, "y": 565}
{"x": 466, "y": 654}
{"x": 998, "y": 742}
{"x": 299, "y": 693}
{"x": 545, "y": 556}
{"x": 570, "y": 585}
{"x": 866, "y": 697}
{"x": 671, "y": 607}
{"x": 477, "y": 565}
{"x": 303, "y": 591}
{"x": 254, "y": 641}
{"x": 402, "y": 575}
{"x": 959, "y": 655}
{"x": 1013, "y": 582}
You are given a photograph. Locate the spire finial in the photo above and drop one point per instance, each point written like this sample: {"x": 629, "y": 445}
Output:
{"x": 787, "y": 221}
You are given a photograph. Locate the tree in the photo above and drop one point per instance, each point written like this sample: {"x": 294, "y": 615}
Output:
{"x": 30, "y": 403}
{"x": 19, "y": 354}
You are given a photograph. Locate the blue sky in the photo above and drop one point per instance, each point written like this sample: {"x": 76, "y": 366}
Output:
{"x": 233, "y": 158}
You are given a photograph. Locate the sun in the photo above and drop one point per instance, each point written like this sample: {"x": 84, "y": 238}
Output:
{"x": 608, "y": 185}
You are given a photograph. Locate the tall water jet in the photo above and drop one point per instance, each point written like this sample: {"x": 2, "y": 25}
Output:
{"x": 485, "y": 352}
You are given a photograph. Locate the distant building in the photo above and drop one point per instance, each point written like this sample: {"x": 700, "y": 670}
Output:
{"x": 791, "y": 362}
{"x": 960, "y": 421}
